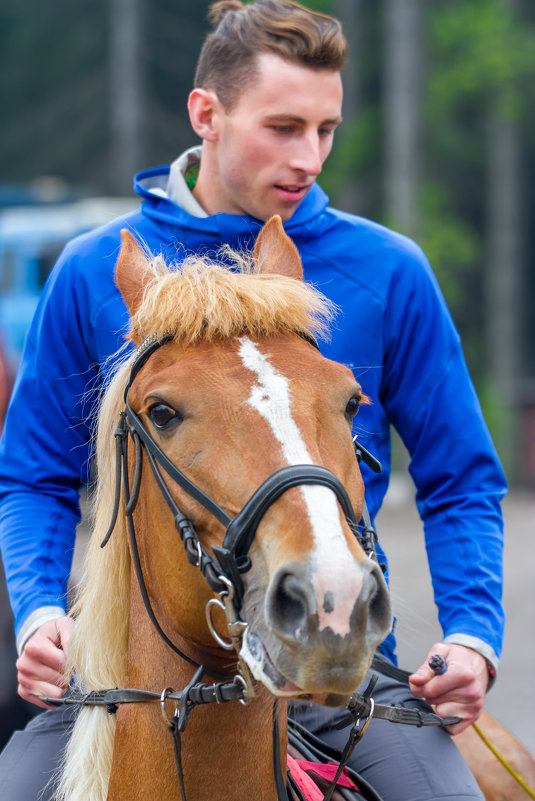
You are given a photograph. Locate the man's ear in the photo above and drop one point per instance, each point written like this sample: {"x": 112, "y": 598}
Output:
{"x": 204, "y": 109}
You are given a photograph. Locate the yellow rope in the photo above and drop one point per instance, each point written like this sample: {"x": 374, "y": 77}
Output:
{"x": 504, "y": 762}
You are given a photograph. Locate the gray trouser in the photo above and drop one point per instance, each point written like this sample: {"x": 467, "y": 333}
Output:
{"x": 30, "y": 760}
{"x": 402, "y": 763}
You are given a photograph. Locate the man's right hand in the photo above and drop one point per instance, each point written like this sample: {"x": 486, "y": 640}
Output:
{"x": 41, "y": 666}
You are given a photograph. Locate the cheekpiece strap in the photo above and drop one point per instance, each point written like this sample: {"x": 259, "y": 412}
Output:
{"x": 144, "y": 352}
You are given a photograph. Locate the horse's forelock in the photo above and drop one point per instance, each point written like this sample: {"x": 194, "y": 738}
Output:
{"x": 202, "y": 301}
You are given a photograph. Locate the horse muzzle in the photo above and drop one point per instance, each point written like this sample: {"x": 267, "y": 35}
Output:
{"x": 316, "y": 637}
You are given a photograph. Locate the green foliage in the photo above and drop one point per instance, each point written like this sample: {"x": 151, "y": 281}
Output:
{"x": 451, "y": 245}
{"x": 55, "y": 86}
{"x": 454, "y": 249}
{"x": 324, "y": 6}
{"x": 354, "y": 150}
{"x": 479, "y": 64}
{"x": 503, "y": 423}
{"x": 479, "y": 49}
{"x": 481, "y": 68}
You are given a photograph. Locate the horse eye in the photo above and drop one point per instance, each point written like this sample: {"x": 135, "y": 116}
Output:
{"x": 353, "y": 406}
{"x": 162, "y": 415}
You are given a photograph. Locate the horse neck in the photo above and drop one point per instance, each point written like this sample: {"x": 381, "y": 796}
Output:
{"x": 226, "y": 750}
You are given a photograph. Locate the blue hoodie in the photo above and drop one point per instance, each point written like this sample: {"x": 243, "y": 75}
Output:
{"x": 393, "y": 330}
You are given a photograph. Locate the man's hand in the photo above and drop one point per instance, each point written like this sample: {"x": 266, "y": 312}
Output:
{"x": 41, "y": 666}
{"x": 460, "y": 690}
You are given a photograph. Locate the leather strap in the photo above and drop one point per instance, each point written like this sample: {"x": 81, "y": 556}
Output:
{"x": 196, "y": 695}
{"x": 173, "y": 472}
{"x": 241, "y": 530}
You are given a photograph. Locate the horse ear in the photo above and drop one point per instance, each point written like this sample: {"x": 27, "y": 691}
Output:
{"x": 275, "y": 252}
{"x": 132, "y": 271}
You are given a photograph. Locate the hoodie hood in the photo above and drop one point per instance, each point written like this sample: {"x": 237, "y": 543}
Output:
{"x": 166, "y": 197}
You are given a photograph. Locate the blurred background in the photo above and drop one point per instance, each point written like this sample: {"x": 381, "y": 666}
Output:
{"x": 438, "y": 141}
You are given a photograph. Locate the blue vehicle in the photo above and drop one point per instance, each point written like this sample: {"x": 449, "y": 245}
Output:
{"x": 31, "y": 238}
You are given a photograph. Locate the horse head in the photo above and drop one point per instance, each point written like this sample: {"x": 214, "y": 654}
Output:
{"x": 237, "y": 393}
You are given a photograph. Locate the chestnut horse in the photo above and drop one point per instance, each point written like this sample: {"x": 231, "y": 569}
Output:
{"x": 503, "y": 767}
{"x": 229, "y": 393}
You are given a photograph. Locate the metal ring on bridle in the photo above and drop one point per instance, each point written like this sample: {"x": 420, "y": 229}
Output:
{"x": 199, "y": 554}
{"x": 163, "y": 697}
{"x": 368, "y": 719}
{"x": 228, "y": 645}
{"x": 248, "y": 690}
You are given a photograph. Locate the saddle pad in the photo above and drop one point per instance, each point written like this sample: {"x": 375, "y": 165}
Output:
{"x": 301, "y": 770}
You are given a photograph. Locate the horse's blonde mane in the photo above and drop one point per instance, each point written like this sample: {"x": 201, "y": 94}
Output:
{"x": 98, "y": 646}
{"x": 195, "y": 302}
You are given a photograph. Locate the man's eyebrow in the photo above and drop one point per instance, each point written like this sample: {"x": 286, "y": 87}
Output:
{"x": 300, "y": 120}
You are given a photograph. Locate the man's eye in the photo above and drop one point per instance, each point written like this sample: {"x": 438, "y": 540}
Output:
{"x": 353, "y": 406}
{"x": 162, "y": 416}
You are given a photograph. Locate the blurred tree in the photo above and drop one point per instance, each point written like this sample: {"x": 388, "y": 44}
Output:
{"x": 504, "y": 253}
{"x": 351, "y": 174}
{"x": 350, "y": 13}
{"x": 174, "y": 34}
{"x": 52, "y": 89}
{"x": 438, "y": 137}
{"x": 478, "y": 137}
{"x": 87, "y": 87}
{"x": 404, "y": 37}
{"x": 128, "y": 116}
{"x": 477, "y": 49}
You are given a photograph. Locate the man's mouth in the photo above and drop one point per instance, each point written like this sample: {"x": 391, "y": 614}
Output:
{"x": 293, "y": 191}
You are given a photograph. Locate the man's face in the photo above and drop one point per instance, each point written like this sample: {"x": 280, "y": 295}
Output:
{"x": 271, "y": 147}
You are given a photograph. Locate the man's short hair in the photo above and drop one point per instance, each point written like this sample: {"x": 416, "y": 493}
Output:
{"x": 241, "y": 32}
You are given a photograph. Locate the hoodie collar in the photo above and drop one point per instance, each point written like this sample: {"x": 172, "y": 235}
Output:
{"x": 167, "y": 197}
{"x": 177, "y": 189}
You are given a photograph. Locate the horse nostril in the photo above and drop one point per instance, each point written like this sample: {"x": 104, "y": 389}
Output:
{"x": 290, "y": 602}
{"x": 379, "y": 599}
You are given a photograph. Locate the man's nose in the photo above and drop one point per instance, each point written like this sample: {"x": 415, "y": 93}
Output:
{"x": 307, "y": 157}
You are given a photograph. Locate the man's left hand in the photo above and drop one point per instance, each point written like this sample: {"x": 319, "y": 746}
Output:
{"x": 460, "y": 690}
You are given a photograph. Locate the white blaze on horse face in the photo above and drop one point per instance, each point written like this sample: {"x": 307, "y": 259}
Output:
{"x": 337, "y": 578}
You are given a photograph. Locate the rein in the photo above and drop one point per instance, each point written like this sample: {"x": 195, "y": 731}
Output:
{"x": 361, "y": 710}
{"x": 224, "y": 576}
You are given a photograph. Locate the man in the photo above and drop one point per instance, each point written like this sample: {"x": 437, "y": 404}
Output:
{"x": 266, "y": 103}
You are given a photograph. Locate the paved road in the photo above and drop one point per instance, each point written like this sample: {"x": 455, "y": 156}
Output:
{"x": 512, "y": 700}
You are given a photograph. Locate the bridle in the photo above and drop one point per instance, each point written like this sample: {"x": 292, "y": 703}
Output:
{"x": 224, "y": 576}
{"x": 224, "y": 572}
